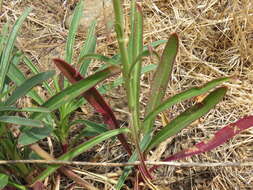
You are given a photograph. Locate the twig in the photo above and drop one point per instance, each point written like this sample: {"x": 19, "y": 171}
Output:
{"x": 107, "y": 164}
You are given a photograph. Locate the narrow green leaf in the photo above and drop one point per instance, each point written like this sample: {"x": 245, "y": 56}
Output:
{"x": 29, "y": 109}
{"x": 88, "y": 48}
{"x": 76, "y": 89}
{"x": 184, "y": 96}
{"x": 161, "y": 77}
{"x": 132, "y": 28}
{"x": 91, "y": 128}
{"x": 137, "y": 49}
{"x": 78, "y": 12}
{"x": 35, "y": 70}
{"x": 3, "y": 180}
{"x": 80, "y": 149}
{"x": 21, "y": 121}
{"x": 24, "y": 88}
{"x": 4, "y": 34}
{"x": 31, "y": 135}
{"x": 18, "y": 78}
{"x": 5, "y": 59}
{"x": 188, "y": 116}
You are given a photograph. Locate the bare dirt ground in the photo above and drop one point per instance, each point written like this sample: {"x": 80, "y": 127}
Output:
{"x": 216, "y": 40}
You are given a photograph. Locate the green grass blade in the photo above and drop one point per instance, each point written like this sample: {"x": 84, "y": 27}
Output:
{"x": 91, "y": 128}
{"x": 188, "y": 116}
{"x": 18, "y": 78}
{"x": 31, "y": 135}
{"x": 132, "y": 28}
{"x": 161, "y": 77}
{"x": 35, "y": 70}
{"x": 76, "y": 89}
{"x": 80, "y": 149}
{"x": 5, "y": 59}
{"x": 137, "y": 49}
{"x": 29, "y": 109}
{"x": 24, "y": 88}
{"x": 88, "y": 48}
{"x": 20, "y": 121}
{"x": 78, "y": 12}
{"x": 4, "y": 35}
{"x": 184, "y": 96}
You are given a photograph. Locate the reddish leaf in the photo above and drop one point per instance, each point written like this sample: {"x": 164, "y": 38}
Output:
{"x": 219, "y": 138}
{"x": 94, "y": 98}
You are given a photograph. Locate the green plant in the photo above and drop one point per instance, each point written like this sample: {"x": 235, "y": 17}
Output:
{"x": 8, "y": 111}
{"x": 129, "y": 59}
{"x": 52, "y": 117}
{"x": 43, "y": 120}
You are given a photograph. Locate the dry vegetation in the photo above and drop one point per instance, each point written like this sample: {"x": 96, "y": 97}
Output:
{"x": 216, "y": 39}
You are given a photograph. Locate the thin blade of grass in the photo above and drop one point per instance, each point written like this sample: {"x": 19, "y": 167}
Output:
{"x": 18, "y": 78}
{"x": 35, "y": 70}
{"x": 94, "y": 98}
{"x": 132, "y": 26}
{"x": 79, "y": 150}
{"x": 21, "y": 121}
{"x": 24, "y": 88}
{"x": 188, "y": 116}
{"x": 220, "y": 137}
{"x": 76, "y": 89}
{"x": 29, "y": 109}
{"x": 4, "y": 35}
{"x": 78, "y": 12}
{"x": 134, "y": 89}
{"x": 88, "y": 48}
{"x": 161, "y": 78}
{"x": 5, "y": 58}
{"x": 184, "y": 96}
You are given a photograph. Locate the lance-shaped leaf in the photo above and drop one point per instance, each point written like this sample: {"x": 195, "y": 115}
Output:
{"x": 220, "y": 137}
{"x": 188, "y": 116}
{"x": 88, "y": 48}
{"x": 94, "y": 98}
{"x": 24, "y": 88}
{"x": 78, "y": 12}
{"x": 6, "y": 56}
{"x": 18, "y": 78}
{"x": 161, "y": 78}
{"x": 184, "y": 96}
{"x": 28, "y": 109}
{"x": 20, "y": 121}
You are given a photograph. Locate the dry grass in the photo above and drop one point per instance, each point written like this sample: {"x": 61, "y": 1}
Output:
{"x": 215, "y": 40}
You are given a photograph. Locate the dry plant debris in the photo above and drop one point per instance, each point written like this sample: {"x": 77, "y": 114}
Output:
{"x": 215, "y": 40}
